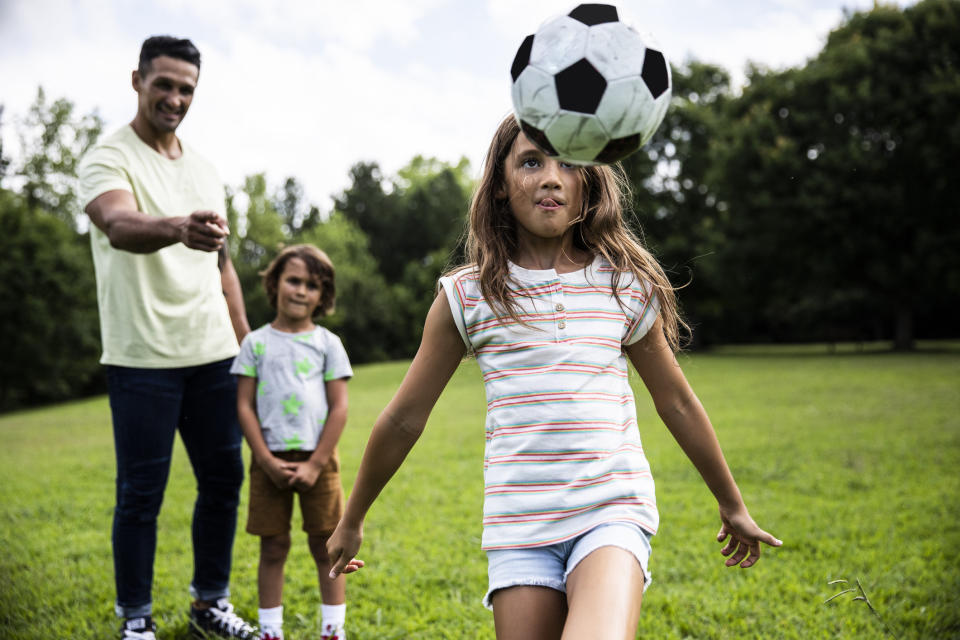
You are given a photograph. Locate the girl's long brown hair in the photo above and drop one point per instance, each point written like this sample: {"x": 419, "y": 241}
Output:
{"x": 492, "y": 236}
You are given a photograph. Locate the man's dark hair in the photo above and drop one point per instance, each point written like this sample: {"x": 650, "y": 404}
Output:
{"x": 156, "y": 46}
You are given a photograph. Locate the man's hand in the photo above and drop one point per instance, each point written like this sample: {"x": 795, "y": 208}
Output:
{"x": 204, "y": 231}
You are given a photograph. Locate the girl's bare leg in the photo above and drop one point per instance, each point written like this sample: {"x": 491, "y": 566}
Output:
{"x": 528, "y": 613}
{"x": 603, "y": 595}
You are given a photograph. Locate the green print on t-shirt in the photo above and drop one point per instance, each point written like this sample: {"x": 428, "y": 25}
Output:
{"x": 293, "y": 442}
{"x": 303, "y": 366}
{"x": 290, "y": 370}
{"x": 291, "y": 405}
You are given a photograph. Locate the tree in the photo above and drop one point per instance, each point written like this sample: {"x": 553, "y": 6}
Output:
{"x": 423, "y": 209}
{"x": 676, "y": 208}
{"x": 414, "y": 225}
{"x": 434, "y": 199}
{"x": 48, "y": 307}
{"x": 258, "y": 234}
{"x": 293, "y": 210}
{"x": 367, "y": 204}
{"x": 838, "y": 175}
{"x": 48, "y": 302}
{"x": 364, "y": 317}
{"x": 52, "y": 141}
{"x": 4, "y": 160}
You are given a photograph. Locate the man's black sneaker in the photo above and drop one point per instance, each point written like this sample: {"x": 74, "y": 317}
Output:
{"x": 219, "y": 621}
{"x": 141, "y": 628}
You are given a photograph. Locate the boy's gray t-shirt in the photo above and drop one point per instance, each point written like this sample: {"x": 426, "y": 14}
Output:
{"x": 292, "y": 370}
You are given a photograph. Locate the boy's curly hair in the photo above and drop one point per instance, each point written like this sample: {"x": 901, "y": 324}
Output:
{"x": 318, "y": 264}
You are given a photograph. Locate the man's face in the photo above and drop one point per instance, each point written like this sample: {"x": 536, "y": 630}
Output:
{"x": 165, "y": 92}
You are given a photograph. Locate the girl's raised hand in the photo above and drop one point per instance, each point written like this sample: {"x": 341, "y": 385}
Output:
{"x": 745, "y": 538}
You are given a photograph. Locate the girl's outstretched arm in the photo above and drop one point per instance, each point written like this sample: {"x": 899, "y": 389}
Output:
{"x": 398, "y": 428}
{"x": 680, "y": 409}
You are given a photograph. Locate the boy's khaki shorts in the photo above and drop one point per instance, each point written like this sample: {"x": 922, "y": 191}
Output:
{"x": 271, "y": 508}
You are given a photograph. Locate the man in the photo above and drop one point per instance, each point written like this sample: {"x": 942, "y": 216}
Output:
{"x": 171, "y": 316}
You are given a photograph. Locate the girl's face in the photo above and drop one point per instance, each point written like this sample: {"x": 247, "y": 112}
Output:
{"x": 545, "y": 194}
{"x": 298, "y": 292}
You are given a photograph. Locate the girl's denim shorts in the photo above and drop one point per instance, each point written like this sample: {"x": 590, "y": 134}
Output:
{"x": 549, "y": 566}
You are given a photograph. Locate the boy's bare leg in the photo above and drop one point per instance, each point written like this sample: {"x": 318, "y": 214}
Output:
{"x": 273, "y": 555}
{"x": 332, "y": 591}
{"x": 528, "y": 613}
{"x": 604, "y": 593}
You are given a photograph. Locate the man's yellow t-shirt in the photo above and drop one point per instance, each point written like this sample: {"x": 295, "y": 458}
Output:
{"x": 162, "y": 309}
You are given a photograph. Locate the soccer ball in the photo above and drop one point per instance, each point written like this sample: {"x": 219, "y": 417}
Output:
{"x": 588, "y": 88}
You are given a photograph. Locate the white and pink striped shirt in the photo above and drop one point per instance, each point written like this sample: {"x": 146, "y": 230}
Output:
{"x": 563, "y": 451}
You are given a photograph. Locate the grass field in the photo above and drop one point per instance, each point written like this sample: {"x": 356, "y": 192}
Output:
{"x": 851, "y": 458}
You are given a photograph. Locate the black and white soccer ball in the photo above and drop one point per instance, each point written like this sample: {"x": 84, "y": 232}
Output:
{"x": 588, "y": 88}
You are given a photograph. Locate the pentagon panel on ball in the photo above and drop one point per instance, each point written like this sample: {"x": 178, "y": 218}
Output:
{"x": 588, "y": 88}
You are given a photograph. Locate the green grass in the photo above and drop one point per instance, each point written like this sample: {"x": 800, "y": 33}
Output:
{"x": 851, "y": 458}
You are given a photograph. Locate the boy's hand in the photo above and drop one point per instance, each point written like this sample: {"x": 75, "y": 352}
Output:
{"x": 342, "y": 546}
{"x": 305, "y": 475}
{"x": 745, "y": 538}
{"x": 279, "y": 471}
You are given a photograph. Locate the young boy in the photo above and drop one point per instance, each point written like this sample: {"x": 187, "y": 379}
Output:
{"x": 292, "y": 406}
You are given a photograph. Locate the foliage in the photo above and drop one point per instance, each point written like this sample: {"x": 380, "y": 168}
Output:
{"x": 420, "y": 211}
{"x": 850, "y": 459}
{"x": 258, "y": 234}
{"x": 381, "y": 303}
{"x": 363, "y": 317}
{"x": 414, "y": 224}
{"x": 838, "y": 178}
{"x": 4, "y": 160}
{"x": 48, "y": 307}
{"x": 677, "y": 211}
{"x": 52, "y": 141}
{"x": 412, "y": 227}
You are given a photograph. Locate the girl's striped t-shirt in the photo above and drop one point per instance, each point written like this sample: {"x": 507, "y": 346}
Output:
{"x": 563, "y": 452}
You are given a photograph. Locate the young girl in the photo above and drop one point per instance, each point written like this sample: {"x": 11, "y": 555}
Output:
{"x": 292, "y": 407}
{"x": 557, "y": 295}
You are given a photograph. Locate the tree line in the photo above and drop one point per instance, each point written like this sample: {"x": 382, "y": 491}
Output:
{"x": 818, "y": 203}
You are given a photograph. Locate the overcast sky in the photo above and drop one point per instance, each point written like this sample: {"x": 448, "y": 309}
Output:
{"x": 309, "y": 87}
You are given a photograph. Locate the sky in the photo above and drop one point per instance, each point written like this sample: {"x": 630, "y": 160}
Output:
{"x": 307, "y": 88}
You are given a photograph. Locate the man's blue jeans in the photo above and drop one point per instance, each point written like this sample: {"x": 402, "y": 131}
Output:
{"x": 149, "y": 406}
